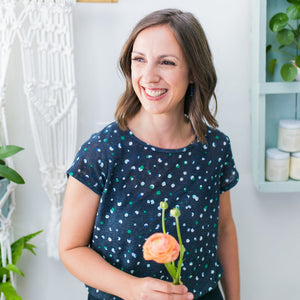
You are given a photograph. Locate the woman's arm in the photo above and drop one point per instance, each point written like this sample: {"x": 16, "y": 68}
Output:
{"x": 78, "y": 217}
{"x": 228, "y": 250}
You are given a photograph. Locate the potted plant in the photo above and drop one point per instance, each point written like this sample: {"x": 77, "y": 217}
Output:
{"x": 287, "y": 30}
{"x": 17, "y": 248}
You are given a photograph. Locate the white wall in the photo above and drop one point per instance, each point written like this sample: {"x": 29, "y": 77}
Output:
{"x": 268, "y": 224}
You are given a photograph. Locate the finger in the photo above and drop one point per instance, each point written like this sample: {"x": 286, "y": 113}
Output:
{"x": 169, "y": 288}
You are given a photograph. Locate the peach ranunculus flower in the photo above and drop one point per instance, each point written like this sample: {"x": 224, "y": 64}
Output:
{"x": 161, "y": 247}
{"x": 164, "y": 248}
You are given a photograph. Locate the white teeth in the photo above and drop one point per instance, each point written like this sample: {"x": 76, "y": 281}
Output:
{"x": 155, "y": 93}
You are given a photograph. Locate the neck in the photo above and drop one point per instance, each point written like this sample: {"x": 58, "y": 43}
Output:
{"x": 169, "y": 132}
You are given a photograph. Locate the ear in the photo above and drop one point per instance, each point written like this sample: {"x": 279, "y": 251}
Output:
{"x": 191, "y": 77}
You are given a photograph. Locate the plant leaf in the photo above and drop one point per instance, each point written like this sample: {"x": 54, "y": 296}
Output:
{"x": 9, "y": 291}
{"x": 3, "y": 271}
{"x": 293, "y": 12}
{"x": 17, "y": 249}
{"x": 297, "y": 61}
{"x": 268, "y": 48}
{"x": 288, "y": 72}
{"x": 285, "y": 37}
{"x": 278, "y": 22}
{"x": 13, "y": 268}
{"x": 19, "y": 245}
{"x": 294, "y": 1}
{"x": 271, "y": 65}
{"x": 9, "y": 150}
{"x": 11, "y": 174}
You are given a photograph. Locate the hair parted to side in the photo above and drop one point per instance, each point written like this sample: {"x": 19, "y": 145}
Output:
{"x": 192, "y": 40}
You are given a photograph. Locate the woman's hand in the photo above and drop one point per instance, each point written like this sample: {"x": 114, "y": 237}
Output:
{"x": 150, "y": 289}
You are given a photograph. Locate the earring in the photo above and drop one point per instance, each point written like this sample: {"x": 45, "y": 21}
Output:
{"x": 191, "y": 90}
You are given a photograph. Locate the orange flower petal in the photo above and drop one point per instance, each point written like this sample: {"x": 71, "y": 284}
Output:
{"x": 161, "y": 247}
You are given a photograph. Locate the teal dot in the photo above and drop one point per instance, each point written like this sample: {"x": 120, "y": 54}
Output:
{"x": 105, "y": 140}
{"x": 71, "y": 173}
{"x": 129, "y": 231}
{"x": 158, "y": 192}
{"x": 122, "y": 138}
{"x": 177, "y": 166}
{"x": 85, "y": 149}
{"x": 217, "y": 137}
{"x": 185, "y": 162}
{"x": 130, "y": 203}
{"x": 151, "y": 186}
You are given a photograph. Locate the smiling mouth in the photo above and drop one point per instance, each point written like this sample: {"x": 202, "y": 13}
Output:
{"x": 155, "y": 93}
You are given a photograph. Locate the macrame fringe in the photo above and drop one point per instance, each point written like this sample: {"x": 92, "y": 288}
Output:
{"x": 45, "y": 31}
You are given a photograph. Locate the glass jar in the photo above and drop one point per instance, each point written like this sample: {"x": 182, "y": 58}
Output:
{"x": 289, "y": 135}
{"x": 295, "y": 166}
{"x": 277, "y": 165}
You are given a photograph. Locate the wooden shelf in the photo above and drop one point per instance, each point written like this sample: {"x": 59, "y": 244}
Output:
{"x": 279, "y": 88}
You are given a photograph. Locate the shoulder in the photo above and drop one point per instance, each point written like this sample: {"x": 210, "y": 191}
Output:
{"x": 216, "y": 137}
{"x": 106, "y": 136}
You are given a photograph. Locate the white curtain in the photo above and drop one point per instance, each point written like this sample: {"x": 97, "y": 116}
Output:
{"x": 45, "y": 31}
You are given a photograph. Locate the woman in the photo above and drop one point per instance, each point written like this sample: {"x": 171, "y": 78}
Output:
{"x": 164, "y": 145}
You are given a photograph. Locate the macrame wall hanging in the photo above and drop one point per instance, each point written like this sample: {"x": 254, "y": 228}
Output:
{"x": 45, "y": 31}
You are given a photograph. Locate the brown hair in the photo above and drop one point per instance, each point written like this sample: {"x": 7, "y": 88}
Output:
{"x": 192, "y": 40}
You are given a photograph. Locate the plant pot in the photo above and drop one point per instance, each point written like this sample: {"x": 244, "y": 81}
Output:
{"x": 3, "y": 188}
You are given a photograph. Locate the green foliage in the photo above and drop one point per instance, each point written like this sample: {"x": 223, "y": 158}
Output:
{"x": 284, "y": 26}
{"x": 5, "y": 171}
{"x": 17, "y": 248}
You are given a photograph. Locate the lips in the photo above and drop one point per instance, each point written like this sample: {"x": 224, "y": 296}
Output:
{"x": 155, "y": 92}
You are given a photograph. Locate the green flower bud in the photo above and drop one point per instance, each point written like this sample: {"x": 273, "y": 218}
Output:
{"x": 163, "y": 205}
{"x": 175, "y": 212}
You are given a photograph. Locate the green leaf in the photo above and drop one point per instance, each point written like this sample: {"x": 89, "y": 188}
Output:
{"x": 13, "y": 268}
{"x": 268, "y": 48}
{"x": 285, "y": 37}
{"x": 17, "y": 249}
{"x": 297, "y": 61}
{"x": 271, "y": 65}
{"x": 288, "y": 72}
{"x": 9, "y": 150}
{"x": 278, "y": 22}
{"x": 3, "y": 271}
{"x": 294, "y": 1}
{"x": 9, "y": 291}
{"x": 19, "y": 245}
{"x": 11, "y": 174}
{"x": 293, "y": 12}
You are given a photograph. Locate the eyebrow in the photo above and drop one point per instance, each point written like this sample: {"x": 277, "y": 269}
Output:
{"x": 160, "y": 57}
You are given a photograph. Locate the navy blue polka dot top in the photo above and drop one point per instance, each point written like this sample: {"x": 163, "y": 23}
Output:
{"x": 133, "y": 177}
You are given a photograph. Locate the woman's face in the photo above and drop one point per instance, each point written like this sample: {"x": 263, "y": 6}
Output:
{"x": 159, "y": 71}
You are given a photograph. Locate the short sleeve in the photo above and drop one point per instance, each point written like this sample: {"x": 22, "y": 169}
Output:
{"x": 88, "y": 166}
{"x": 229, "y": 174}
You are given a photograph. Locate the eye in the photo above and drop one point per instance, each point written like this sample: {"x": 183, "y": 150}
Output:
{"x": 168, "y": 63}
{"x": 137, "y": 59}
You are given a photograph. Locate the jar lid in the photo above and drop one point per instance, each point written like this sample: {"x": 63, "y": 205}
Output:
{"x": 277, "y": 154}
{"x": 289, "y": 124}
{"x": 296, "y": 154}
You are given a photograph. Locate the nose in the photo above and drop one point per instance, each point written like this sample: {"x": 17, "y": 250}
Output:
{"x": 150, "y": 73}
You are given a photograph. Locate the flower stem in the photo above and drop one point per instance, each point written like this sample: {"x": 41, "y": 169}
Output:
{"x": 182, "y": 250}
{"x": 163, "y": 221}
